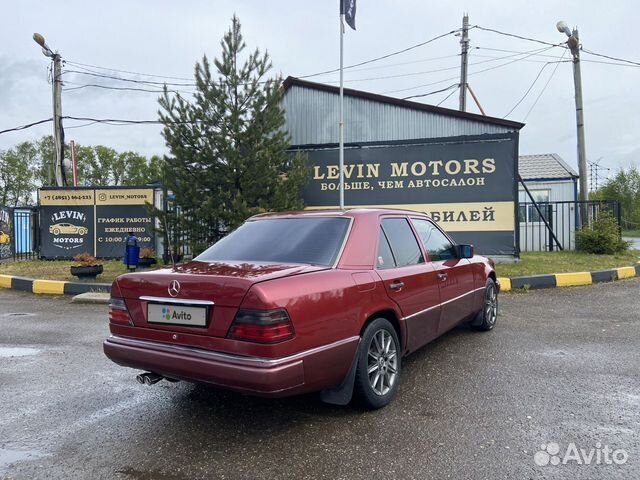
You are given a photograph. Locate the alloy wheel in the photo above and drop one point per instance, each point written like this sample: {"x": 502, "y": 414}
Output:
{"x": 490, "y": 304}
{"x": 382, "y": 364}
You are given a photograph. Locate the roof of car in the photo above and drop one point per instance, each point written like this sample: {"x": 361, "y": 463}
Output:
{"x": 350, "y": 212}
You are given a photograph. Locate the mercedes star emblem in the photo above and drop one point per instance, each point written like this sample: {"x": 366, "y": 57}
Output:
{"x": 174, "y": 288}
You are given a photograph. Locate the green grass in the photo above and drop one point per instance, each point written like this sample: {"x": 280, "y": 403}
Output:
{"x": 537, "y": 263}
{"x": 631, "y": 233}
{"x": 59, "y": 269}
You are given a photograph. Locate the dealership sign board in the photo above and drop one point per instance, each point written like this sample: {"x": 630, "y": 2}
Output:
{"x": 467, "y": 184}
{"x": 93, "y": 220}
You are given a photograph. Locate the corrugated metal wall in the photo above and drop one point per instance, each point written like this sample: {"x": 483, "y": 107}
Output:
{"x": 312, "y": 118}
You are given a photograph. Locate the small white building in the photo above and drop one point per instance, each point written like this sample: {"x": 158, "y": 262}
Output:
{"x": 553, "y": 186}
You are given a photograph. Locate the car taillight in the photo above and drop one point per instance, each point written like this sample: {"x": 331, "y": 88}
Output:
{"x": 261, "y": 326}
{"x": 118, "y": 312}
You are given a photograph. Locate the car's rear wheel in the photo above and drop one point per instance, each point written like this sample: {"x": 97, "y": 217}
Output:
{"x": 56, "y": 231}
{"x": 486, "y": 318}
{"x": 379, "y": 362}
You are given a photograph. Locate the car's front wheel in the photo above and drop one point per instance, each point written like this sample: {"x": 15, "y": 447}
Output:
{"x": 378, "y": 370}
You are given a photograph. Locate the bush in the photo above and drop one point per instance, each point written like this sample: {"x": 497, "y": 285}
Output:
{"x": 601, "y": 236}
{"x": 147, "y": 253}
{"x": 85, "y": 259}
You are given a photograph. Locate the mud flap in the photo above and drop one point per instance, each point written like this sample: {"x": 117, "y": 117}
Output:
{"x": 477, "y": 320}
{"x": 341, "y": 395}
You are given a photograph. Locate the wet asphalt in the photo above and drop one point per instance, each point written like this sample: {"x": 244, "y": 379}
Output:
{"x": 561, "y": 366}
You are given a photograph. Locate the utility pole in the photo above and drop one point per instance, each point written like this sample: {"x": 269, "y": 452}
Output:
{"x": 464, "y": 62}
{"x": 57, "y": 120}
{"x": 574, "y": 45}
{"x": 58, "y": 133}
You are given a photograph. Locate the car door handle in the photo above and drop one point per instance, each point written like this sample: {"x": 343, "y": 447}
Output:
{"x": 396, "y": 285}
{"x": 442, "y": 276}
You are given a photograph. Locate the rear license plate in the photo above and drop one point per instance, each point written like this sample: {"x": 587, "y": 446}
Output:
{"x": 177, "y": 315}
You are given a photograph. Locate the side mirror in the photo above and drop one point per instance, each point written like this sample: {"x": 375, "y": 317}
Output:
{"x": 464, "y": 251}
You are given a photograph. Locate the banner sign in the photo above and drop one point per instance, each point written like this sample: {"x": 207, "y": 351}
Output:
{"x": 96, "y": 221}
{"x": 466, "y": 184}
{"x": 6, "y": 232}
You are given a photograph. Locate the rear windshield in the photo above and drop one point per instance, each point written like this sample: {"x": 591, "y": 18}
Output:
{"x": 315, "y": 241}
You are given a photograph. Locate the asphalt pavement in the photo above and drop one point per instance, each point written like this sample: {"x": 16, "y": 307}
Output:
{"x": 634, "y": 241}
{"x": 561, "y": 368}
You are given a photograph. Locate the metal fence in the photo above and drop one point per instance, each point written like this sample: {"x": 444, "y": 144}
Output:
{"x": 25, "y": 234}
{"x": 19, "y": 233}
{"x": 552, "y": 226}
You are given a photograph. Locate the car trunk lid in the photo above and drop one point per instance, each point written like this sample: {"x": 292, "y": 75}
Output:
{"x": 199, "y": 298}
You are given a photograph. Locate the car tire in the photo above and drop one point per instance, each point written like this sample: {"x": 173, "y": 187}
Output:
{"x": 379, "y": 363}
{"x": 56, "y": 231}
{"x": 486, "y": 318}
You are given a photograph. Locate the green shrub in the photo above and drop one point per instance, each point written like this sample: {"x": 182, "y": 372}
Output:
{"x": 601, "y": 236}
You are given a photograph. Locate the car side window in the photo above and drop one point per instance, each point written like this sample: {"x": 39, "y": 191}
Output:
{"x": 403, "y": 243}
{"x": 437, "y": 244}
{"x": 385, "y": 257}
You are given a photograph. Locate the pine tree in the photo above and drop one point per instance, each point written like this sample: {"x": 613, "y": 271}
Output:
{"x": 228, "y": 147}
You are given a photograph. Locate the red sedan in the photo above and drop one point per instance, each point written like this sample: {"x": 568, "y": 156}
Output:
{"x": 290, "y": 303}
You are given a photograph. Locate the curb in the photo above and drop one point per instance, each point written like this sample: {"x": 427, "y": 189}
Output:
{"x": 573, "y": 279}
{"x": 91, "y": 297}
{"x": 51, "y": 287}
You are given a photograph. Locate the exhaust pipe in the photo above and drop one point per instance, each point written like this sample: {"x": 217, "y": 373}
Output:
{"x": 148, "y": 378}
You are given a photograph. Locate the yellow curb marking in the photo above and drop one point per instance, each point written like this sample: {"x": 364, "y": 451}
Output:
{"x": 505, "y": 284}
{"x": 626, "y": 272}
{"x": 573, "y": 279}
{"x": 52, "y": 287}
{"x": 5, "y": 281}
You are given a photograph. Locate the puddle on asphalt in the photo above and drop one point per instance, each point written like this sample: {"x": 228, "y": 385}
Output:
{"x": 8, "y": 457}
{"x": 17, "y": 352}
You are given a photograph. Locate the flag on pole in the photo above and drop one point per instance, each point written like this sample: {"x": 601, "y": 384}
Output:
{"x": 348, "y": 9}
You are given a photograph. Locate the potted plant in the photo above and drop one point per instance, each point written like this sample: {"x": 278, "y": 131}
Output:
{"x": 87, "y": 269}
{"x": 147, "y": 257}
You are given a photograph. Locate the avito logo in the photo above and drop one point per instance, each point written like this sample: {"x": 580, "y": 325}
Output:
{"x": 168, "y": 314}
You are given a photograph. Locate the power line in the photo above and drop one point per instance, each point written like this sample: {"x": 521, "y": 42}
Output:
{"x": 543, "y": 88}
{"x": 555, "y": 56}
{"x": 471, "y": 73}
{"x": 455, "y": 85}
{"x": 24, "y": 127}
{"x": 109, "y": 87}
{"x": 528, "y": 89}
{"x": 529, "y": 39}
{"x": 399, "y": 64}
{"x": 447, "y": 97}
{"x": 145, "y": 82}
{"x": 611, "y": 58}
{"x": 117, "y": 121}
{"x": 78, "y": 64}
{"x": 502, "y": 50}
{"x": 92, "y": 85}
{"x": 632, "y": 62}
{"x": 376, "y": 59}
{"x": 82, "y": 125}
{"x": 456, "y": 67}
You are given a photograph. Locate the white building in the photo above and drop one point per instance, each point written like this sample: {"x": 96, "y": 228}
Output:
{"x": 553, "y": 186}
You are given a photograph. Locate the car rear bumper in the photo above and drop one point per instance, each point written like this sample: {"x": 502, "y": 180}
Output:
{"x": 315, "y": 369}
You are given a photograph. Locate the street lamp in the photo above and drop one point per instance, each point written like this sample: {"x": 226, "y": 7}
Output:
{"x": 573, "y": 43}
{"x": 57, "y": 106}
